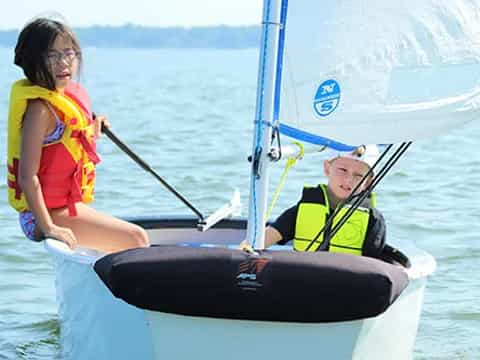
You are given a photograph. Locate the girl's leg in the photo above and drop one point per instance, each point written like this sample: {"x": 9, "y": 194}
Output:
{"x": 100, "y": 231}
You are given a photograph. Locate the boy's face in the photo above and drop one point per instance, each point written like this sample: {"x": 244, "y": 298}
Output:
{"x": 344, "y": 174}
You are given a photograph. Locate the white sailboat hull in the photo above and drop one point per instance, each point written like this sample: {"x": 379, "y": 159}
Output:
{"x": 390, "y": 335}
{"x": 96, "y": 325}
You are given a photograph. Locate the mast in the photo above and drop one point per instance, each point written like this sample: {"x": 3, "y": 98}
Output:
{"x": 266, "y": 113}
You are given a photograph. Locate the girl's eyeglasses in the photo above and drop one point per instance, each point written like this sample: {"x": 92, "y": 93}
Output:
{"x": 54, "y": 56}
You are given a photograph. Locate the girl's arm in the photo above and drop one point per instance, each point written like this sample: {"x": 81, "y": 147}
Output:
{"x": 36, "y": 124}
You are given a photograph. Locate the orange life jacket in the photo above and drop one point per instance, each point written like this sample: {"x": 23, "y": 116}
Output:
{"x": 67, "y": 166}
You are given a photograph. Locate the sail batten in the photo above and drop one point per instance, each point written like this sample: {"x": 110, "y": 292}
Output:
{"x": 380, "y": 71}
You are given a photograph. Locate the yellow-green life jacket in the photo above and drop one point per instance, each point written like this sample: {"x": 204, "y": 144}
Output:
{"x": 313, "y": 212}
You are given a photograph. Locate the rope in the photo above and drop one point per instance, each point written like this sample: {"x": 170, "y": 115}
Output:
{"x": 147, "y": 168}
{"x": 290, "y": 163}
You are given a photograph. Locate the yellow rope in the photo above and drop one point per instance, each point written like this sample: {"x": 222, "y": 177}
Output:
{"x": 290, "y": 162}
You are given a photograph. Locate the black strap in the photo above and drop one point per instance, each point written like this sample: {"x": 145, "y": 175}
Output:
{"x": 325, "y": 244}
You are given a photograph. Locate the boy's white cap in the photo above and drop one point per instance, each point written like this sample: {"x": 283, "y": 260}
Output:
{"x": 368, "y": 154}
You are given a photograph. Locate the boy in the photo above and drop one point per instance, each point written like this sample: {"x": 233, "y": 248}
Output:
{"x": 362, "y": 234}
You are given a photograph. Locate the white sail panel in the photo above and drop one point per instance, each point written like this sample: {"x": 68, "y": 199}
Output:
{"x": 380, "y": 71}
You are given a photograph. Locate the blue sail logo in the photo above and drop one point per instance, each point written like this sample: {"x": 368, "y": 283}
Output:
{"x": 327, "y": 98}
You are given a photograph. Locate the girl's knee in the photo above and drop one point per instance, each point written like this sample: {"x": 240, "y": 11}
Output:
{"x": 139, "y": 236}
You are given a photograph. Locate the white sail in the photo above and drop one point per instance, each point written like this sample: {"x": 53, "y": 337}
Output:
{"x": 379, "y": 71}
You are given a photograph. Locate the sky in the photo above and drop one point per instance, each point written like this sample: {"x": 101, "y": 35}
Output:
{"x": 188, "y": 13}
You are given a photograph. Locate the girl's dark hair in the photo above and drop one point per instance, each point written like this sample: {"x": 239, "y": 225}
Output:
{"x": 34, "y": 41}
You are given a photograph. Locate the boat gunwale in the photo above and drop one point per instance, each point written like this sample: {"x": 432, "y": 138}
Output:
{"x": 422, "y": 264}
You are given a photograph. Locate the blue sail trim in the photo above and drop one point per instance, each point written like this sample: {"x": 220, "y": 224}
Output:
{"x": 281, "y": 46}
{"x": 314, "y": 139}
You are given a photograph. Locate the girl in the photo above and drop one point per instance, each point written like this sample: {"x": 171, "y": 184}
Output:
{"x": 51, "y": 146}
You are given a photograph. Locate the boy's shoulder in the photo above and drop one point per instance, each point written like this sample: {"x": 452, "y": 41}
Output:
{"x": 376, "y": 214}
{"x": 313, "y": 193}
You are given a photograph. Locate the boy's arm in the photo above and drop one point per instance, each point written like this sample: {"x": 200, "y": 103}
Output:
{"x": 283, "y": 229}
{"x": 272, "y": 236}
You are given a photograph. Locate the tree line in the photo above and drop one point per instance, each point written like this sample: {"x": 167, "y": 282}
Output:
{"x": 136, "y": 36}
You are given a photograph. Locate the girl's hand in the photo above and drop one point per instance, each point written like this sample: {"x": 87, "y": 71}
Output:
{"x": 62, "y": 234}
{"x": 97, "y": 125}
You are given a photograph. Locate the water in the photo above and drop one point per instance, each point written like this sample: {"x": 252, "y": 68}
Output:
{"x": 189, "y": 113}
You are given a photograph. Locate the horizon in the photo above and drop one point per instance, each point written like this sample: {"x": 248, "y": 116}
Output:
{"x": 141, "y": 36}
{"x": 126, "y": 25}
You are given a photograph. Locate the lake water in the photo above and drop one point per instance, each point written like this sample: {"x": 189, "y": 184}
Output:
{"x": 189, "y": 114}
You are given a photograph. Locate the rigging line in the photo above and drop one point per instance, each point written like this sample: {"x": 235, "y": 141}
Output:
{"x": 386, "y": 168}
{"x": 330, "y": 219}
{"x": 147, "y": 168}
{"x": 405, "y": 145}
{"x": 290, "y": 163}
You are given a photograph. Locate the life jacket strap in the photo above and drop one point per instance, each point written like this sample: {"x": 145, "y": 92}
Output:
{"x": 87, "y": 146}
{"x": 13, "y": 184}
